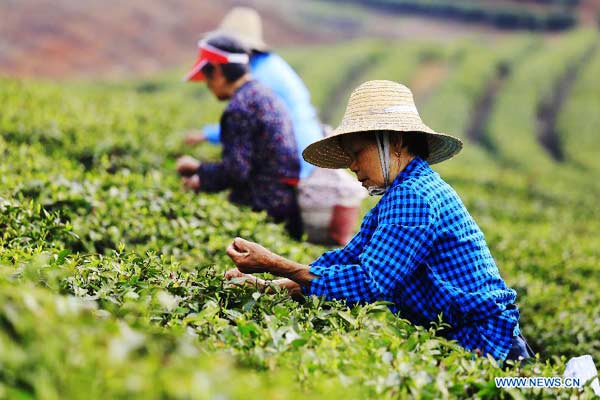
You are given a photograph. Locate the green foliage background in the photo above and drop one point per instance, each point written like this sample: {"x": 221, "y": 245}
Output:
{"x": 110, "y": 274}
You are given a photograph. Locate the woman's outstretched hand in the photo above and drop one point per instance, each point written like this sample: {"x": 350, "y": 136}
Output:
{"x": 235, "y": 273}
{"x": 235, "y": 277}
{"x": 194, "y": 137}
{"x": 191, "y": 182}
{"x": 187, "y": 166}
{"x": 249, "y": 257}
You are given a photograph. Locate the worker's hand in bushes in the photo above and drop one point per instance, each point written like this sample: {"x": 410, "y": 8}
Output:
{"x": 187, "y": 166}
{"x": 194, "y": 137}
{"x": 249, "y": 257}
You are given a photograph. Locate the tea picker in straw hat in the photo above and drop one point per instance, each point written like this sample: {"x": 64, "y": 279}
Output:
{"x": 418, "y": 248}
{"x": 245, "y": 25}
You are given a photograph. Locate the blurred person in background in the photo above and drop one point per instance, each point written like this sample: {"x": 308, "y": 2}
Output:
{"x": 329, "y": 200}
{"x": 418, "y": 249}
{"x": 260, "y": 156}
{"x": 245, "y": 25}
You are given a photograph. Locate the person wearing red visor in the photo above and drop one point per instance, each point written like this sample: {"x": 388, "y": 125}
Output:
{"x": 260, "y": 163}
{"x": 267, "y": 67}
{"x": 209, "y": 54}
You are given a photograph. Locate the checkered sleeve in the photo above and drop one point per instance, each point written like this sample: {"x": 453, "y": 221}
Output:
{"x": 348, "y": 254}
{"x": 400, "y": 242}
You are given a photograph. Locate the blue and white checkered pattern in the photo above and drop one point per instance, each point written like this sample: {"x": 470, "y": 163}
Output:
{"x": 421, "y": 250}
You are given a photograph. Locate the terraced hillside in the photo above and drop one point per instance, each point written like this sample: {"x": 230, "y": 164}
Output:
{"x": 110, "y": 274}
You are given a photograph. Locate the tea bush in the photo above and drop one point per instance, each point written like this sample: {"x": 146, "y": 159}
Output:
{"x": 111, "y": 276}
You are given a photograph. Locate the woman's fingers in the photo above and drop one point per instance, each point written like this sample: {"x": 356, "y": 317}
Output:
{"x": 191, "y": 183}
{"x": 246, "y": 280}
{"x": 238, "y": 257}
{"x": 234, "y": 273}
{"x": 238, "y": 247}
{"x": 194, "y": 138}
{"x": 187, "y": 165}
{"x": 231, "y": 251}
{"x": 248, "y": 247}
{"x": 241, "y": 245}
{"x": 247, "y": 256}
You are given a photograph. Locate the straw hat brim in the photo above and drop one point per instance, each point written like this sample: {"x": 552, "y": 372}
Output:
{"x": 380, "y": 105}
{"x": 328, "y": 152}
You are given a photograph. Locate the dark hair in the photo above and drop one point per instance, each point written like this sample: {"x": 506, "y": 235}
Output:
{"x": 416, "y": 144}
{"x": 256, "y": 53}
{"x": 231, "y": 72}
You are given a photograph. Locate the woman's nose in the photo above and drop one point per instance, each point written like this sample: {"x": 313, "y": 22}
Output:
{"x": 354, "y": 166}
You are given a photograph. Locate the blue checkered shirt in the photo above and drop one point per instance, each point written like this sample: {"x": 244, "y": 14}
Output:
{"x": 419, "y": 249}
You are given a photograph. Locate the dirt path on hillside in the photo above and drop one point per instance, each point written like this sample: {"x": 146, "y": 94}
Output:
{"x": 477, "y": 130}
{"x": 484, "y": 106}
{"x": 549, "y": 109}
{"x": 428, "y": 76}
{"x": 338, "y": 96}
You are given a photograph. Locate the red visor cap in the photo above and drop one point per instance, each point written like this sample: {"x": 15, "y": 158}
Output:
{"x": 210, "y": 54}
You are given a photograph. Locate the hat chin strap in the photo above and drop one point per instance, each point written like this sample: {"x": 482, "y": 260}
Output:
{"x": 383, "y": 149}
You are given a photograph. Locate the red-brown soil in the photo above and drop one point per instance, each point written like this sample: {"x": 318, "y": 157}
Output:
{"x": 83, "y": 38}
{"x": 63, "y": 38}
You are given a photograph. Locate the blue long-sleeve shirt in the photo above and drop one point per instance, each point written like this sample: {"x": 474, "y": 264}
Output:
{"x": 419, "y": 249}
{"x": 272, "y": 71}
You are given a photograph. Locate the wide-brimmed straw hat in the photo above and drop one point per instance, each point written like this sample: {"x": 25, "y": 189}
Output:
{"x": 245, "y": 25}
{"x": 379, "y": 106}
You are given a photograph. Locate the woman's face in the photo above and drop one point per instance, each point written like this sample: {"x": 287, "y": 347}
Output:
{"x": 362, "y": 149}
{"x": 217, "y": 84}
